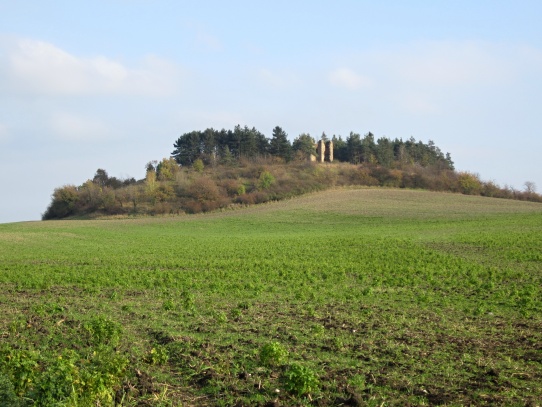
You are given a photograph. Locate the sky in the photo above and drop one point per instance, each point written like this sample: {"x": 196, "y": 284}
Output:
{"x": 112, "y": 84}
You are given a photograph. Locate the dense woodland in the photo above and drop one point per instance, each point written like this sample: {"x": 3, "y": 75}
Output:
{"x": 214, "y": 169}
{"x": 214, "y": 146}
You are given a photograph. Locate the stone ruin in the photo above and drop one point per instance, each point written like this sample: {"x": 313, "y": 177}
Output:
{"x": 324, "y": 152}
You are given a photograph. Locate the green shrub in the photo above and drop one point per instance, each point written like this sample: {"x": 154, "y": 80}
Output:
{"x": 300, "y": 380}
{"x": 60, "y": 380}
{"x": 469, "y": 184}
{"x": 20, "y": 367}
{"x": 198, "y": 165}
{"x": 7, "y": 392}
{"x": 157, "y": 356}
{"x": 273, "y": 354}
{"x": 103, "y": 331}
{"x": 265, "y": 180}
{"x": 241, "y": 190}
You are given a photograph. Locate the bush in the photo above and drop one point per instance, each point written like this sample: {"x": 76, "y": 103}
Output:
{"x": 233, "y": 187}
{"x": 273, "y": 354}
{"x": 20, "y": 367}
{"x": 63, "y": 203}
{"x": 265, "y": 180}
{"x": 300, "y": 380}
{"x": 469, "y": 184}
{"x": 193, "y": 207}
{"x": 7, "y": 392}
{"x": 245, "y": 199}
{"x": 102, "y": 331}
{"x": 204, "y": 189}
{"x": 198, "y": 165}
{"x": 363, "y": 177}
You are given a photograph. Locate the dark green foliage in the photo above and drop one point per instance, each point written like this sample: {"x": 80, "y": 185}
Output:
{"x": 280, "y": 146}
{"x": 242, "y": 142}
{"x": 303, "y": 146}
{"x": 63, "y": 203}
{"x": 214, "y": 146}
{"x": 7, "y": 392}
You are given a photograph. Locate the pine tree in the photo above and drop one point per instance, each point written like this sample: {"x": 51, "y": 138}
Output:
{"x": 280, "y": 145}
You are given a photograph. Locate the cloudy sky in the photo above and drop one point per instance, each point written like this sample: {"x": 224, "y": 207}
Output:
{"x": 113, "y": 83}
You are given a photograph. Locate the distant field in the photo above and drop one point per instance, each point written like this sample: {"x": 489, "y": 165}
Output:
{"x": 377, "y": 297}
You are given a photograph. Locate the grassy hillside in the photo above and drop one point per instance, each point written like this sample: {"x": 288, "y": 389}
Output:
{"x": 354, "y": 296}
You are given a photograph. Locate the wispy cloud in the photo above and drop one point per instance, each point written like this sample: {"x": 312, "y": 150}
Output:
{"x": 347, "y": 78}
{"x": 38, "y": 67}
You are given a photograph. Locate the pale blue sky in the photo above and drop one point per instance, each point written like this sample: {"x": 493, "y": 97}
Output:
{"x": 112, "y": 84}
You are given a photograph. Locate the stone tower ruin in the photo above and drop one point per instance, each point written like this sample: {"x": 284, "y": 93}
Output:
{"x": 324, "y": 151}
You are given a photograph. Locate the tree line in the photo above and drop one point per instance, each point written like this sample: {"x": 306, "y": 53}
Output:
{"x": 225, "y": 146}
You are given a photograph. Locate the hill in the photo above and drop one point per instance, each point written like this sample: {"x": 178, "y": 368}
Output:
{"x": 172, "y": 189}
{"x": 347, "y": 296}
{"x": 213, "y": 169}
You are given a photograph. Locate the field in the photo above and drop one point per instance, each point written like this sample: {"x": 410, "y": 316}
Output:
{"x": 376, "y": 297}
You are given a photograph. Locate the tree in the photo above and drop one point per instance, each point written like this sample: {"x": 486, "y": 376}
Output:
{"x": 151, "y": 166}
{"x": 150, "y": 179}
{"x": 249, "y": 146}
{"x": 303, "y": 146}
{"x": 469, "y": 184}
{"x": 384, "y": 152}
{"x": 198, "y": 165}
{"x": 280, "y": 145}
{"x": 101, "y": 177}
{"x": 227, "y": 156}
{"x": 63, "y": 203}
{"x": 530, "y": 187}
{"x": 166, "y": 169}
{"x": 188, "y": 148}
{"x": 262, "y": 142}
{"x": 209, "y": 145}
{"x": 368, "y": 149}
{"x": 134, "y": 194}
{"x": 353, "y": 143}
{"x": 265, "y": 180}
{"x": 340, "y": 149}
{"x": 91, "y": 195}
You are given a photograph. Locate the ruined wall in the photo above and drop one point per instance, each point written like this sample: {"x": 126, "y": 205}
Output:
{"x": 321, "y": 151}
{"x": 324, "y": 152}
{"x": 328, "y": 156}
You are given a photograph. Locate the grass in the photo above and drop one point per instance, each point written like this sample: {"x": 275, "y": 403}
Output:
{"x": 353, "y": 296}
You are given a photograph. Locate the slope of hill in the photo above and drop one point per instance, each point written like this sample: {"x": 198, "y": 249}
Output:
{"x": 170, "y": 189}
{"x": 356, "y": 296}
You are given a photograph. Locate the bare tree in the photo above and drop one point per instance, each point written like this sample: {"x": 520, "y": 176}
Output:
{"x": 530, "y": 187}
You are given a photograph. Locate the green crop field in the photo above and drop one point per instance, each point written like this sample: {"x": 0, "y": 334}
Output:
{"x": 346, "y": 297}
